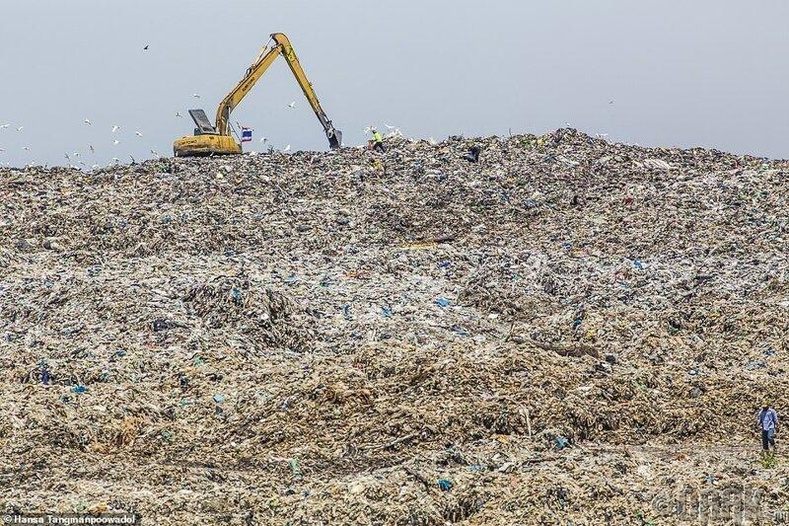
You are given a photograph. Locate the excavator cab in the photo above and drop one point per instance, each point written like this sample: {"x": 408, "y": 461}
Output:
{"x": 202, "y": 125}
{"x": 215, "y": 139}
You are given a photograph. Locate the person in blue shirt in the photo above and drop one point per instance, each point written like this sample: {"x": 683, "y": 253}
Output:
{"x": 768, "y": 424}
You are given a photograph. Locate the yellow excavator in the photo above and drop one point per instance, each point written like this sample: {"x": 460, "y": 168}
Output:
{"x": 215, "y": 139}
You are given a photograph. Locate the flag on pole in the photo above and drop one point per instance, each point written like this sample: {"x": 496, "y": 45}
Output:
{"x": 246, "y": 134}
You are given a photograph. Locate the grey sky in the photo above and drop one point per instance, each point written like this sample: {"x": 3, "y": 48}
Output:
{"x": 708, "y": 73}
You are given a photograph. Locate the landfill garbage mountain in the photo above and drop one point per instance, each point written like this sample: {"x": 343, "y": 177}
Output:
{"x": 568, "y": 331}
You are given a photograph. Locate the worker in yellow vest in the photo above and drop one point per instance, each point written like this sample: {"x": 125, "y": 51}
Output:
{"x": 378, "y": 141}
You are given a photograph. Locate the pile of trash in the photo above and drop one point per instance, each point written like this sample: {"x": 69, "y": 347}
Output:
{"x": 531, "y": 329}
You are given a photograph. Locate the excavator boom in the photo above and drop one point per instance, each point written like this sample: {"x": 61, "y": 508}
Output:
{"x": 216, "y": 139}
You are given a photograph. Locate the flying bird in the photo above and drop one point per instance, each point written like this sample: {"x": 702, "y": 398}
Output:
{"x": 4, "y": 126}
{"x": 195, "y": 95}
{"x": 20, "y": 128}
{"x": 116, "y": 160}
{"x": 146, "y": 47}
{"x": 389, "y": 126}
{"x": 292, "y": 105}
{"x": 91, "y": 149}
{"x": 2, "y": 149}
{"x": 264, "y": 139}
{"x": 138, "y": 133}
{"x": 67, "y": 157}
{"x": 286, "y": 149}
{"x": 26, "y": 147}
{"x": 155, "y": 153}
{"x": 75, "y": 154}
{"x": 177, "y": 113}
{"x": 115, "y": 128}
{"x": 116, "y": 142}
{"x": 87, "y": 121}
{"x": 610, "y": 102}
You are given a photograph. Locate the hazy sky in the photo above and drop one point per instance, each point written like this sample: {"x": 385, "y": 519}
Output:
{"x": 711, "y": 73}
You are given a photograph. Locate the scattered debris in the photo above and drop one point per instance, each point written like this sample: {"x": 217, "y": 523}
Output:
{"x": 279, "y": 336}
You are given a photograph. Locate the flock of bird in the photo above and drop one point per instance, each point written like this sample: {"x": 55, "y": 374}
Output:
{"x": 75, "y": 158}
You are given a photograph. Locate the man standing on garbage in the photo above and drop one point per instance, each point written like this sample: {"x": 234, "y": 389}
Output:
{"x": 768, "y": 424}
{"x": 378, "y": 141}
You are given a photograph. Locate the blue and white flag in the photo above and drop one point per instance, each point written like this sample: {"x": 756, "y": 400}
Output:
{"x": 246, "y": 134}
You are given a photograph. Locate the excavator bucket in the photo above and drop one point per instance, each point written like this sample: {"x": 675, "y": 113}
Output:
{"x": 335, "y": 139}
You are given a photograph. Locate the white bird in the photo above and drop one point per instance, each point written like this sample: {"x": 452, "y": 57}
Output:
{"x": 138, "y": 133}
{"x": 4, "y": 126}
{"x": 116, "y": 160}
{"x": 286, "y": 149}
{"x": 155, "y": 153}
{"x": 75, "y": 154}
{"x": 195, "y": 95}
{"x": 91, "y": 148}
{"x": 393, "y": 131}
{"x": 95, "y": 166}
{"x": 87, "y": 121}
{"x": 292, "y": 105}
{"x": 115, "y": 128}
{"x": 610, "y": 102}
{"x": 67, "y": 157}
{"x": 177, "y": 113}
{"x": 116, "y": 142}
{"x": 2, "y": 149}
{"x": 264, "y": 139}
{"x": 26, "y": 147}
{"x": 20, "y": 128}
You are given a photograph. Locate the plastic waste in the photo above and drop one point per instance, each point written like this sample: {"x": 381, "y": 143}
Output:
{"x": 445, "y": 484}
{"x": 442, "y": 302}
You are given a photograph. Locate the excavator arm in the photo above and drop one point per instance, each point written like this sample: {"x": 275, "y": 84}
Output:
{"x": 283, "y": 44}
{"x": 216, "y": 139}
